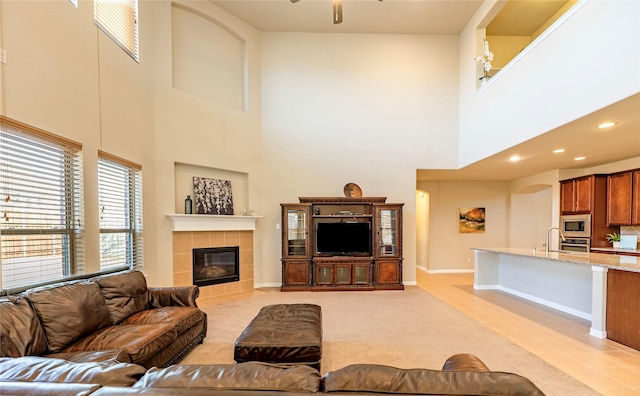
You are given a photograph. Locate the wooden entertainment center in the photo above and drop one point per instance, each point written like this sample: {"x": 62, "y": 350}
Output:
{"x": 316, "y": 257}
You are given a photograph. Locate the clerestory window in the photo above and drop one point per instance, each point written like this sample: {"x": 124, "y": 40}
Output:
{"x": 118, "y": 19}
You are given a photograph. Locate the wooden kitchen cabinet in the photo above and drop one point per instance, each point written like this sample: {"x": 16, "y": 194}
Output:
{"x": 635, "y": 198}
{"x": 577, "y": 196}
{"x": 623, "y": 198}
{"x": 623, "y": 316}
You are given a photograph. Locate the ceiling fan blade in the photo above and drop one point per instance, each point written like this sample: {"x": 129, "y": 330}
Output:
{"x": 295, "y": 1}
{"x": 337, "y": 11}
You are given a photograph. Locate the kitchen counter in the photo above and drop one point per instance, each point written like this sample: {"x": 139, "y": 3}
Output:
{"x": 572, "y": 282}
{"x": 613, "y": 261}
{"x": 615, "y": 251}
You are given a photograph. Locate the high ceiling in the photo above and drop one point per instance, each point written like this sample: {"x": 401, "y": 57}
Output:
{"x": 446, "y": 17}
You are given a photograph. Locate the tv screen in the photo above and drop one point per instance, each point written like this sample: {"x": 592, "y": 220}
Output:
{"x": 343, "y": 238}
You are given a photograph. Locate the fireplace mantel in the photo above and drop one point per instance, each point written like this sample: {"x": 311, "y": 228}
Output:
{"x": 195, "y": 222}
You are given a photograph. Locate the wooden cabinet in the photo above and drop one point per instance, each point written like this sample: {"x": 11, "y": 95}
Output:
{"x": 308, "y": 265}
{"x": 623, "y": 198}
{"x": 577, "y": 195}
{"x": 344, "y": 273}
{"x": 623, "y": 315}
{"x": 588, "y": 195}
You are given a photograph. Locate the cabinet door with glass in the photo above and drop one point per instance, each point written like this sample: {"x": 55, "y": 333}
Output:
{"x": 295, "y": 237}
{"x": 388, "y": 229}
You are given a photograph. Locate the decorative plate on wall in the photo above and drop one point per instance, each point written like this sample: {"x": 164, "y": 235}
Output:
{"x": 352, "y": 190}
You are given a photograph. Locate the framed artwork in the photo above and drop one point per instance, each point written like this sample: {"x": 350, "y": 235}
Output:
{"x": 471, "y": 220}
{"x": 212, "y": 196}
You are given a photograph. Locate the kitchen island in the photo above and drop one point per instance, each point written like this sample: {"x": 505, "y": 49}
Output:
{"x": 572, "y": 282}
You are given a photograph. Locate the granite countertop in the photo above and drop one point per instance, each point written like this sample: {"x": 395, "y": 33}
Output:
{"x": 613, "y": 261}
{"x": 612, "y": 250}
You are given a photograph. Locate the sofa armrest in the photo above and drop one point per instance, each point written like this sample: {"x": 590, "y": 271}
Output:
{"x": 183, "y": 296}
{"x": 465, "y": 362}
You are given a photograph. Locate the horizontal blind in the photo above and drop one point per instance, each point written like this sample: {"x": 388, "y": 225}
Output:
{"x": 120, "y": 207}
{"x": 118, "y": 19}
{"x": 41, "y": 230}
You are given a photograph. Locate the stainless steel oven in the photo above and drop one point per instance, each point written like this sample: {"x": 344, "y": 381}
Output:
{"x": 576, "y": 244}
{"x": 578, "y": 226}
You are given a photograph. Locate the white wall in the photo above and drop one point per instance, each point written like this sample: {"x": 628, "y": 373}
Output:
{"x": 201, "y": 132}
{"x": 590, "y": 61}
{"x": 450, "y": 250}
{"x": 367, "y": 109}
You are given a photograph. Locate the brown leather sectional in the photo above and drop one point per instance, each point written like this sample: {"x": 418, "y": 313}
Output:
{"x": 109, "y": 319}
{"x": 462, "y": 374}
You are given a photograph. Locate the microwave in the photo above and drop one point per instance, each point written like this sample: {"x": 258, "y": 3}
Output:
{"x": 576, "y": 226}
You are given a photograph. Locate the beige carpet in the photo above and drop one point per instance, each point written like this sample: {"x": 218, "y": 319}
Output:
{"x": 407, "y": 329}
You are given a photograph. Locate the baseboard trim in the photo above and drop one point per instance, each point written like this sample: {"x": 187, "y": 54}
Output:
{"x": 266, "y": 285}
{"x": 446, "y": 271}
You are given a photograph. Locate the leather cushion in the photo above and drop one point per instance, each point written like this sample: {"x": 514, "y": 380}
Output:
{"x": 125, "y": 294}
{"x": 141, "y": 342}
{"x": 242, "y": 376}
{"x": 464, "y": 362}
{"x": 20, "y": 331}
{"x": 182, "y": 318}
{"x": 111, "y": 356}
{"x": 386, "y": 379}
{"x": 43, "y": 369}
{"x": 69, "y": 311}
{"x": 282, "y": 333}
{"x": 47, "y": 389}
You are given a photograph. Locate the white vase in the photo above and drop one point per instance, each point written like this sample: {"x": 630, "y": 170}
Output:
{"x": 616, "y": 245}
{"x": 484, "y": 80}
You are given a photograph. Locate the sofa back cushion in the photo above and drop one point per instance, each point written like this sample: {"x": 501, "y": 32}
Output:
{"x": 20, "y": 331}
{"x": 69, "y": 311}
{"x": 373, "y": 378}
{"x": 44, "y": 369}
{"x": 125, "y": 294}
{"x": 246, "y": 376}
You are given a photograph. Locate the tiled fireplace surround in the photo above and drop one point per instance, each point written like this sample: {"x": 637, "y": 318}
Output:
{"x": 185, "y": 241}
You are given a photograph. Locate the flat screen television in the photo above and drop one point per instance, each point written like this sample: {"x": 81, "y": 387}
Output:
{"x": 343, "y": 239}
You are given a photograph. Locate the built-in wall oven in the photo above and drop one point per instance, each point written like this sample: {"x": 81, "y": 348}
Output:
{"x": 576, "y": 244}
{"x": 578, "y": 226}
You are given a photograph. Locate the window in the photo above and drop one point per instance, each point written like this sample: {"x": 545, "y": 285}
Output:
{"x": 120, "y": 206}
{"x": 118, "y": 19}
{"x": 41, "y": 230}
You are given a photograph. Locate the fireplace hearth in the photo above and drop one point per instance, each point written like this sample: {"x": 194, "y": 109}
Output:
{"x": 212, "y": 266}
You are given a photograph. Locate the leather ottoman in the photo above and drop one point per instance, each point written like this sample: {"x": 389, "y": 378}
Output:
{"x": 283, "y": 333}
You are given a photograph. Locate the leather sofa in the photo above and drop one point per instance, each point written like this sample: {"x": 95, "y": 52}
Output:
{"x": 109, "y": 319}
{"x": 462, "y": 374}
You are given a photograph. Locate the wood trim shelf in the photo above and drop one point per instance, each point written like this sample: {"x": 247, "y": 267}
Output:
{"x": 195, "y": 222}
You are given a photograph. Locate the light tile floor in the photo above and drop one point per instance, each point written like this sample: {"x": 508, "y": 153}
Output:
{"x": 560, "y": 339}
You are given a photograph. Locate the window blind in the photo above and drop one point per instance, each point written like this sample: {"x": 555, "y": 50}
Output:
{"x": 120, "y": 211}
{"x": 118, "y": 19}
{"x": 41, "y": 230}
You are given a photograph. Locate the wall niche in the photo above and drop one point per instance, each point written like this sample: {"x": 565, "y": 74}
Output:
{"x": 184, "y": 174}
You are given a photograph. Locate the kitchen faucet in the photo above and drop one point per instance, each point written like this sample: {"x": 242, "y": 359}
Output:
{"x": 546, "y": 247}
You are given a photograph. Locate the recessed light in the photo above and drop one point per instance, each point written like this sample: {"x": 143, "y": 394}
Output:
{"x": 606, "y": 125}
{"x": 579, "y": 158}
{"x": 515, "y": 158}
{"x": 558, "y": 151}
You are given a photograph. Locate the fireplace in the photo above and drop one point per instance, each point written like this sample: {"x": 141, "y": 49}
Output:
{"x": 212, "y": 266}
